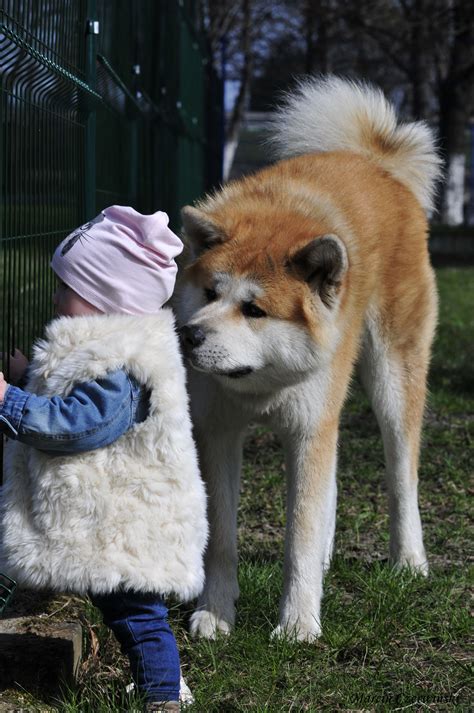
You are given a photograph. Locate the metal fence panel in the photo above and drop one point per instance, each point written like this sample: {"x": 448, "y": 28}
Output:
{"x": 102, "y": 102}
{"x": 41, "y": 156}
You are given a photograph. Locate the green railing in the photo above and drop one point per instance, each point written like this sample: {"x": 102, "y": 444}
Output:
{"x": 102, "y": 102}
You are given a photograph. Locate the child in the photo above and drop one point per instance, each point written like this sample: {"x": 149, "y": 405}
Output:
{"x": 102, "y": 493}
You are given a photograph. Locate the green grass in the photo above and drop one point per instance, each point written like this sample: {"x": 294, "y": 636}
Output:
{"x": 391, "y": 641}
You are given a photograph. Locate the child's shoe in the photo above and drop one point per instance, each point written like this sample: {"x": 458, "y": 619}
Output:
{"x": 186, "y": 698}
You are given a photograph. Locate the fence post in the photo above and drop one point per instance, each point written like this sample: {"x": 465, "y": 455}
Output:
{"x": 92, "y": 30}
{"x": 134, "y": 138}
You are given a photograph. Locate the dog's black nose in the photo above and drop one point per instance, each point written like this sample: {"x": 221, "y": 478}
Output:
{"x": 192, "y": 335}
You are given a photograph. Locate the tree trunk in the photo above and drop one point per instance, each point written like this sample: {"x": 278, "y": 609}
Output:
{"x": 316, "y": 50}
{"x": 456, "y": 100}
{"x": 453, "y": 203}
{"x": 236, "y": 118}
{"x": 234, "y": 126}
{"x": 418, "y": 59}
{"x": 453, "y": 123}
{"x": 308, "y": 18}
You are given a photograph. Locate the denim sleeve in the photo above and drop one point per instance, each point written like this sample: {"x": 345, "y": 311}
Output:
{"x": 93, "y": 415}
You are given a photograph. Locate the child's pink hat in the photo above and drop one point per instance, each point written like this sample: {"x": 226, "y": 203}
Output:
{"x": 121, "y": 261}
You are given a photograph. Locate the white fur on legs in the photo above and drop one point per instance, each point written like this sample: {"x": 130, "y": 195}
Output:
{"x": 220, "y": 458}
{"x": 387, "y": 384}
{"x": 406, "y": 538}
{"x": 311, "y": 465}
{"x": 307, "y": 631}
{"x": 208, "y": 625}
{"x": 300, "y": 617}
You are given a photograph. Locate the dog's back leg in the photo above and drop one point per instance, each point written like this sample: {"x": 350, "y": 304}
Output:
{"x": 393, "y": 367}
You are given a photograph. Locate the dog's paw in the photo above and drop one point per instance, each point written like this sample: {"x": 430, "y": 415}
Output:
{"x": 414, "y": 562}
{"x": 307, "y": 632}
{"x": 207, "y": 625}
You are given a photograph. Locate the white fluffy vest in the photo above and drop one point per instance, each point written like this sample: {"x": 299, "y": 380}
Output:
{"x": 132, "y": 514}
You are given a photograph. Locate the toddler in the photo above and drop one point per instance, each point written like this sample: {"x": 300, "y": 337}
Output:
{"x": 102, "y": 493}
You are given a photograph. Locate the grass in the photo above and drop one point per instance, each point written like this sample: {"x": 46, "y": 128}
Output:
{"x": 391, "y": 641}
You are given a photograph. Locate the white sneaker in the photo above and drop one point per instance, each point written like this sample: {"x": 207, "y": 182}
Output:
{"x": 186, "y": 698}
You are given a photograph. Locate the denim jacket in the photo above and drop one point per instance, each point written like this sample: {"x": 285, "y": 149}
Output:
{"x": 94, "y": 414}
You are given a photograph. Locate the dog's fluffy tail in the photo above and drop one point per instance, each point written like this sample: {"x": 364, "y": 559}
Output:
{"x": 334, "y": 114}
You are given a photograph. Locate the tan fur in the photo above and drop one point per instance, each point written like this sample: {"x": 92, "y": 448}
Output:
{"x": 384, "y": 229}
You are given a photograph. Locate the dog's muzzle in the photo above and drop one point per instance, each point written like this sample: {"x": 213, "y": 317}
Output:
{"x": 192, "y": 336}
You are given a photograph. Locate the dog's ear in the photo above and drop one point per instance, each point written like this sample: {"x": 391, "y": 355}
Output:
{"x": 200, "y": 230}
{"x": 322, "y": 263}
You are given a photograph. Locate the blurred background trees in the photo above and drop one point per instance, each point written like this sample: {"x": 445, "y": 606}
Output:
{"x": 420, "y": 52}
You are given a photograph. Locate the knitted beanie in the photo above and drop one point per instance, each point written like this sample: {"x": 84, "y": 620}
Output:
{"x": 121, "y": 262}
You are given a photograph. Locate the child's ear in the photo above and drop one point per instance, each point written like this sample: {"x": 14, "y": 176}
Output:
{"x": 200, "y": 231}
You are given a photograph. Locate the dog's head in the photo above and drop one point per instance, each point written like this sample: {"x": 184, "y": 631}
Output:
{"x": 261, "y": 296}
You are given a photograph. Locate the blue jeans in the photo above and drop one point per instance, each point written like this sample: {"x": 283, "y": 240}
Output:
{"x": 139, "y": 622}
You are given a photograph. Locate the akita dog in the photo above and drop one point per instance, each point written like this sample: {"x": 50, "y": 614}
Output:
{"x": 298, "y": 273}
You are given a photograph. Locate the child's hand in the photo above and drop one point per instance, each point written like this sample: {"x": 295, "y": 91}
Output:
{"x": 18, "y": 365}
{"x": 3, "y": 386}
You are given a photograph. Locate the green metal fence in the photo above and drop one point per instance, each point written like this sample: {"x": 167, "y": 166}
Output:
{"x": 102, "y": 102}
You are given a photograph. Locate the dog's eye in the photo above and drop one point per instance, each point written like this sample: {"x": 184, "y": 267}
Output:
{"x": 210, "y": 294}
{"x": 249, "y": 309}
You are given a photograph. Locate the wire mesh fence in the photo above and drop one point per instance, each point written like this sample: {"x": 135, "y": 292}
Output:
{"x": 102, "y": 102}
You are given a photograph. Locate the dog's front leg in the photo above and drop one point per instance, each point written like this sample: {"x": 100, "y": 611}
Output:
{"x": 219, "y": 440}
{"x": 311, "y": 505}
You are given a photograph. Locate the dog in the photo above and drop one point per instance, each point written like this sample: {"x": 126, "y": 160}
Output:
{"x": 300, "y": 273}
